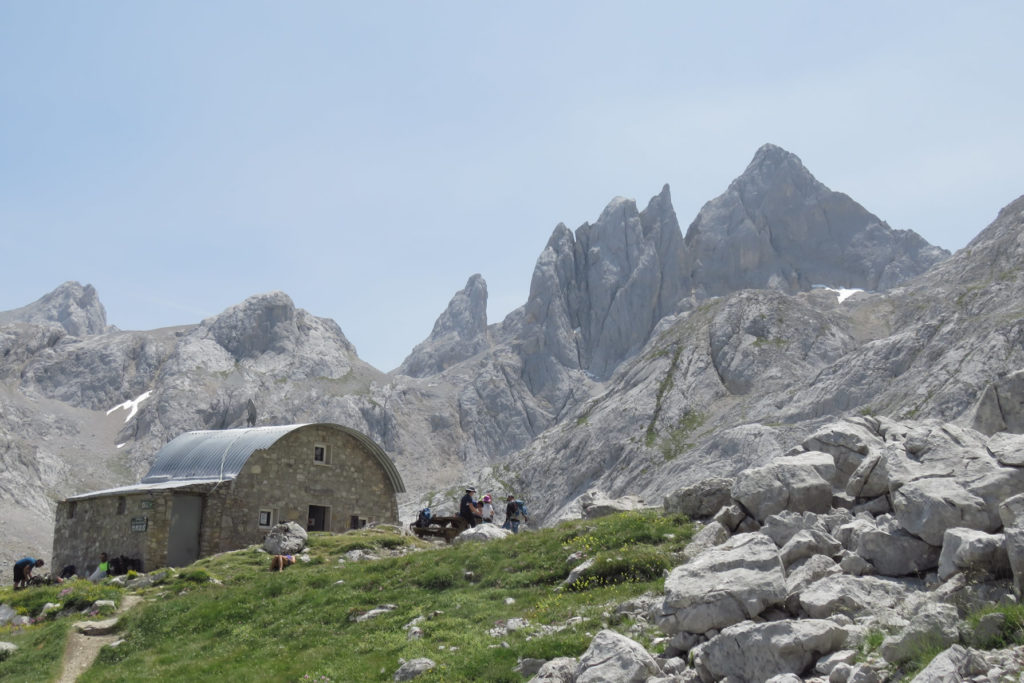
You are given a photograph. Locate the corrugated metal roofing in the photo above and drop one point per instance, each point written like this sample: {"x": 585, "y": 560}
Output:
{"x": 211, "y": 454}
{"x": 219, "y": 455}
{"x": 143, "y": 488}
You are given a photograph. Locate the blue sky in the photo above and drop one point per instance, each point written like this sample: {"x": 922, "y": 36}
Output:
{"x": 368, "y": 158}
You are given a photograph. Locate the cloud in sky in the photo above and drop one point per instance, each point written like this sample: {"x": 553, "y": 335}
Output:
{"x": 367, "y": 158}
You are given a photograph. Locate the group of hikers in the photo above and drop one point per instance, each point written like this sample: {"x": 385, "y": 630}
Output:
{"x": 482, "y": 511}
{"x": 24, "y": 567}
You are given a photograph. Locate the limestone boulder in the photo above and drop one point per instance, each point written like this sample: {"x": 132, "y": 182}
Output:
{"x": 927, "y": 507}
{"x": 953, "y": 665}
{"x": 557, "y": 670}
{"x": 1007, "y": 448}
{"x": 848, "y": 441}
{"x": 784, "y": 525}
{"x": 1015, "y": 554}
{"x": 701, "y": 500}
{"x": 287, "y": 538}
{"x": 481, "y": 533}
{"x": 869, "y": 479}
{"x": 414, "y": 668}
{"x": 806, "y": 543}
{"x": 725, "y": 585}
{"x": 596, "y": 504}
{"x": 894, "y": 552}
{"x": 853, "y": 596}
{"x": 935, "y": 624}
{"x": 709, "y": 536}
{"x": 792, "y": 483}
{"x": 614, "y": 657}
{"x": 750, "y": 652}
{"x": 976, "y": 552}
{"x": 803, "y": 574}
{"x": 1011, "y": 511}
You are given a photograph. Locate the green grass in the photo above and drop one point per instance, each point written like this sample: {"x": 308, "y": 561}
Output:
{"x": 228, "y": 618}
{"x": 1012, "y": 632}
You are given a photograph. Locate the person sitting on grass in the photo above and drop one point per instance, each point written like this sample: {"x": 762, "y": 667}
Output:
{"x": 279, "y": 562}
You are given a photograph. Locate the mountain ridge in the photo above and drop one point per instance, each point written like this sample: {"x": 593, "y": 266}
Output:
{"x": 612, "y": 375}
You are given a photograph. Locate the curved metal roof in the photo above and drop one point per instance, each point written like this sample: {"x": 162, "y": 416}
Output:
{"x": 221, "y": 454}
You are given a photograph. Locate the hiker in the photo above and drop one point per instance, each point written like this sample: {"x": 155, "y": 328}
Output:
{"x": 468, "y": 509}
{"x": 515, "y": 512}
{"x": 23, "y": 570}
{"x": 279, "y": 562}
{"x": 487, "y": 511}
{"x": 102, "y": 569}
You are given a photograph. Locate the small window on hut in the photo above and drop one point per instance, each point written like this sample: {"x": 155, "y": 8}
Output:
{"x": 265, "y": 517}
{"x": 321, "y": 455}
{"x": 122, "y": 505}
{"x": 71, "y": 509}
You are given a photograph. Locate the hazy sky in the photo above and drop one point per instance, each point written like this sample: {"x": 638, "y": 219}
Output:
{"x": 368, "y": 157}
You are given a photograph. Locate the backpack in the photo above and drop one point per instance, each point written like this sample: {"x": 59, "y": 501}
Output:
{"x": 423, "y": 519}
{"x": 521, "y": 512}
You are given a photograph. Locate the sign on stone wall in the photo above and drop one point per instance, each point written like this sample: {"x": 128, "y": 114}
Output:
{"x": 140, "y": 523}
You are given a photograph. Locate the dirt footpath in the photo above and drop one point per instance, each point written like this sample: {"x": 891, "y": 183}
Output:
{"x": 82, "y": 649}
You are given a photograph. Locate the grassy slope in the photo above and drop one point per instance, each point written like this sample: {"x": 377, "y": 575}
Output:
{"x": 257, "y": 625}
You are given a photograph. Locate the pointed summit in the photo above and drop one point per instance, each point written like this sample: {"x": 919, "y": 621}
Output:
{"x": 459, "y": 333}
{"x": 777, "y": 227}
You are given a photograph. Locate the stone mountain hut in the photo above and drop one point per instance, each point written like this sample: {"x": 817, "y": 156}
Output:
{"x": 212, "y": 491}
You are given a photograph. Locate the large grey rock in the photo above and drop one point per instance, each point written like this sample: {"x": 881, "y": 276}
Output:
{"x": 848, "y": 442}
{"x": 709, "y": 536}
{"x": 557, "y": 670}
{"x": 1000, "y": 408}
{"x": 703, "y": 499}
{"x": 1008, "y": 448}
{"x": 894, "y": 552}
{"x": 287, "y": 538}
{"x": 413, "y": 668}
{"x": 806, "y": 543}
{"x": 596, "y": 504}
{"x": 1011, "y": 511}
{"x": 785, "y": 525}
{"x": 807, "y": 572}
{"x": 1014, "y": 538}
{"x": 725, "y": 585}
{"x": 935, "y": 624}
{"x": 927, "y": 507}
{"x": 482, "y": 533}
{"x": 750, "y": 652}
{"x": 972, "y": 551}
{"x": 953, "y": 665}
{"x": 614, "y": 657}
{"x": 790, "y": 483}
{"x": 851, "y": 595}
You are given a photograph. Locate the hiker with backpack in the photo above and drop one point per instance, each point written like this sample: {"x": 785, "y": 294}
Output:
{"x": 468, "y": 508}
{"x": 515, "y": 513}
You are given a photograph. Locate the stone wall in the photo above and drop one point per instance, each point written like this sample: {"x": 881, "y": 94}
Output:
{"x": 286, "y": 480}
{"x": 104, "y": 524}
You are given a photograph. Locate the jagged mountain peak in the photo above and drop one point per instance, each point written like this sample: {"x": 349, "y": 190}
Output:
{"x": 73, "y": 306}
{"x": 460, "y": 332}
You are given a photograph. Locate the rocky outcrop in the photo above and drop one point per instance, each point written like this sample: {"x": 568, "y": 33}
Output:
{"x": 459, "y": 333}
{"x": 72, "y": 306}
